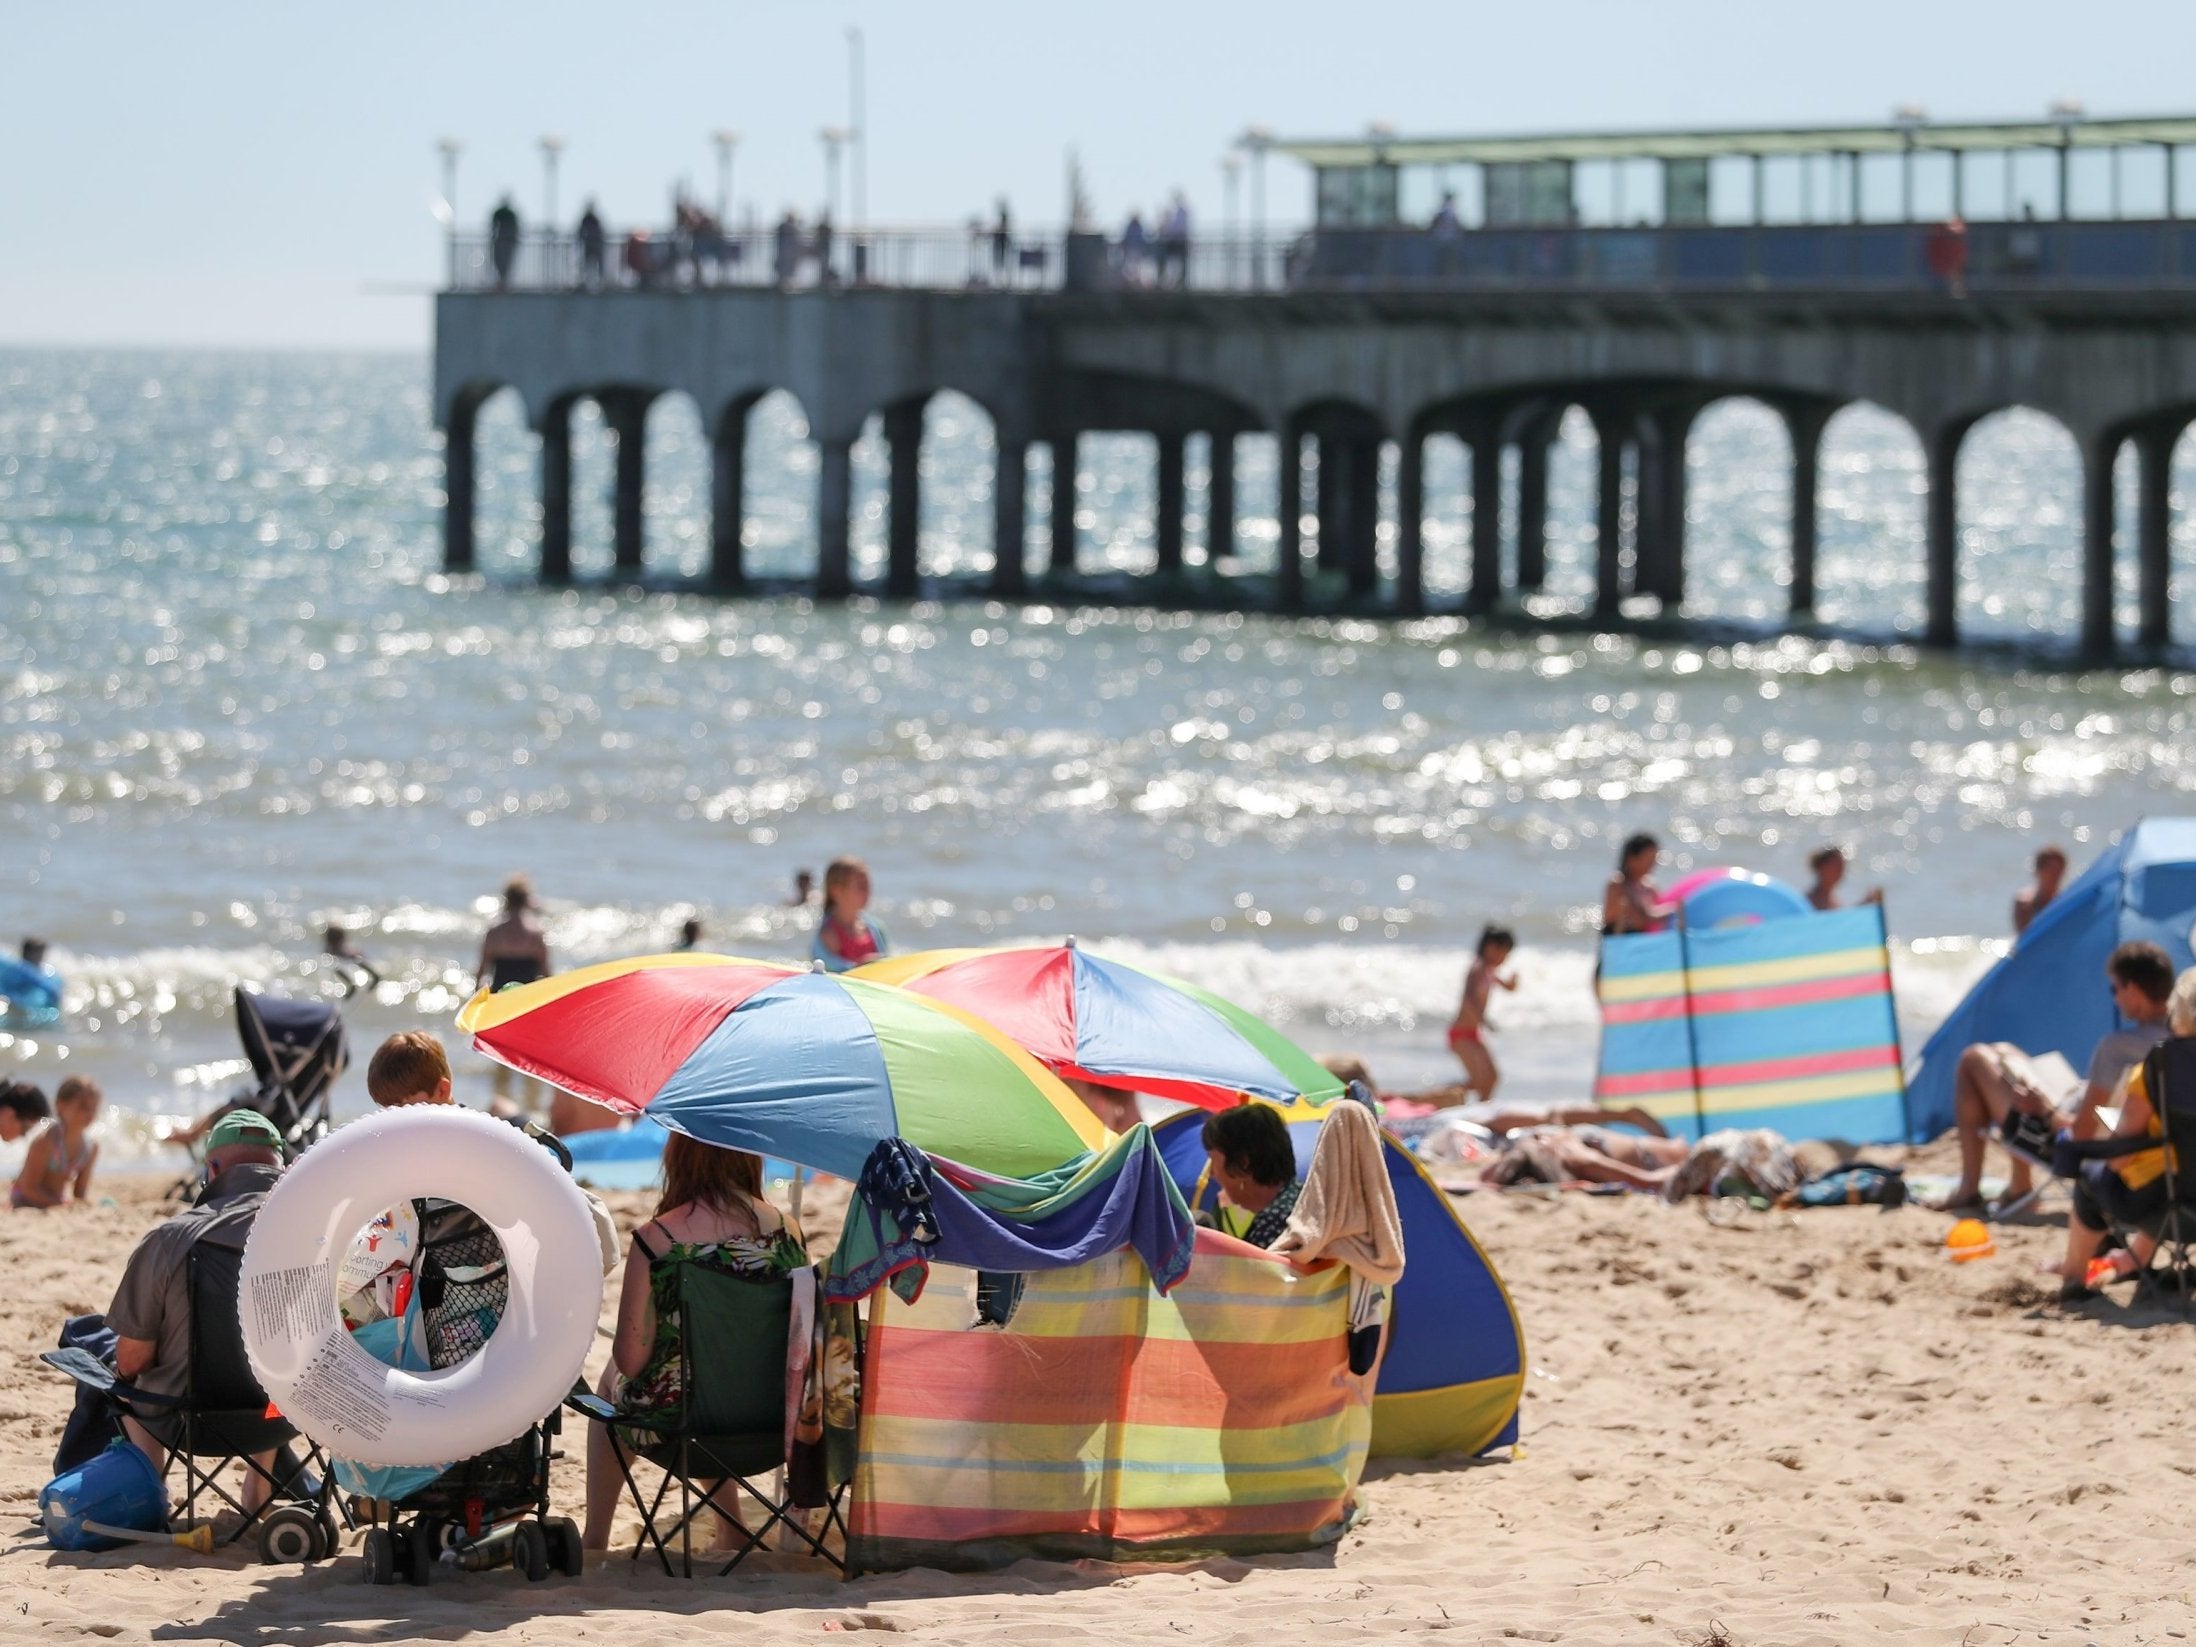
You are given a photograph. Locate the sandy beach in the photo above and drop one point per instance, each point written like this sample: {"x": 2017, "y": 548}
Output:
{"x": 1754, "y": 1427}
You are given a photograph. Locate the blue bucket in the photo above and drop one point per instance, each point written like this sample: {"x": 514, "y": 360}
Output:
{"x": 119, "y": 1488}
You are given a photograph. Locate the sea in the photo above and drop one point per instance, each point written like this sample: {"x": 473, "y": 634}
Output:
{"x": 239, "y": 701}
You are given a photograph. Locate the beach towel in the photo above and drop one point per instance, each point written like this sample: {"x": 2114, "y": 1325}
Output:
{"x": 1346, "y": 1210}
{"x": 1120, "y": 1196}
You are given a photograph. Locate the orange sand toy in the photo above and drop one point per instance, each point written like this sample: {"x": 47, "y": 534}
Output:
{"x": 1969, "y": 1240}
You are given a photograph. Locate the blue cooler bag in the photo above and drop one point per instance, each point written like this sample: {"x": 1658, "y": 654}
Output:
{"x": 119, "y": 1488}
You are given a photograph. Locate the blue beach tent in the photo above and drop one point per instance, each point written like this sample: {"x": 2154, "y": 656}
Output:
{"x": 1455, "y": 1364}
{"x": 2048, "y": 995}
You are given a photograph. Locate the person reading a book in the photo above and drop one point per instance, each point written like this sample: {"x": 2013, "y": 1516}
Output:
{"x": 1998, "y": 1086}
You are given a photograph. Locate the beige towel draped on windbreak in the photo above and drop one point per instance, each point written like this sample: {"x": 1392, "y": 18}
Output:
{"x": 1346, "y": 1209}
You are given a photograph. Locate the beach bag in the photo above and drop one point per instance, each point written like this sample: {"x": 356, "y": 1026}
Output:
{"x": 1856, "y": 1184}
{"x": 86, "y": 1354}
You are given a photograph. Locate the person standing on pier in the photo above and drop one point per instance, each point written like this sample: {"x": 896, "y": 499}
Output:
{"x": 592, "y": 243}
{"x": 786, "y": 253}
{"x": 1135, "y": 246}
{"x": 824, "y": 274}
{"x": 1174, "y": 243}
{"x": 1002, "y": 244}
{"x": 503, "y": 240}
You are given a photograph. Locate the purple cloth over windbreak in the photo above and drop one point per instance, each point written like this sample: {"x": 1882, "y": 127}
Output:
{"x": 1136, "y": 1206}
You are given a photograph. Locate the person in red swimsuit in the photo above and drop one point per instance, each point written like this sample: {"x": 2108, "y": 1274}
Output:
{"x": 1466, "y": 1034}
{"x": 848, "y": 935}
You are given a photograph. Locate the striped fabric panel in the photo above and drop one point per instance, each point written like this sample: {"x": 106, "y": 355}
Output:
{"x": 1791, "y": 1026}
{"x": 1106, "y": 1420}
{"x": 1712, "y": 979}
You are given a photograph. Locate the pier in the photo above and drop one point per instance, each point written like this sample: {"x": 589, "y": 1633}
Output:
{"x": 1486, "y": 321}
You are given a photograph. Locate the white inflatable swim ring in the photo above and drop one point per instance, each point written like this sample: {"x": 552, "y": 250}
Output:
{"x": 335, "y": 1392}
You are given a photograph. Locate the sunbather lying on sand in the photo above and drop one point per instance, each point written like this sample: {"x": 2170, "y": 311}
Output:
{"x": 1508, "y": 1116}
{"x": 1587, "y": 1154}
{"x": 1756, "y": 1162}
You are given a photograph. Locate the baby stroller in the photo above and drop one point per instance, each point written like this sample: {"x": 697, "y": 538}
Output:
{"x": 297, "y": 1049}
{"x": 484, "y": 1511}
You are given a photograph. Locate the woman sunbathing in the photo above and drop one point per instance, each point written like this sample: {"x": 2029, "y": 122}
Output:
{"x": 1589, "y": 1154}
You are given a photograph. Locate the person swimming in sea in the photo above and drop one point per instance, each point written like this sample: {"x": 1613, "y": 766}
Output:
{"x": 1631, "y": 902}
{"x": 2034, "y": 898}
{"x": 848, "y": 935}
{"x": 1829, "y": 864}
{"x": 1467, "y": 1033}
{"x": 514, "y": 951}
{"x": 358, "y": 972}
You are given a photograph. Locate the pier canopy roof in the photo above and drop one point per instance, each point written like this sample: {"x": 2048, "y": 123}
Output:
{"x": 1925, "y": 136}
{"x": 1757, "y": 174}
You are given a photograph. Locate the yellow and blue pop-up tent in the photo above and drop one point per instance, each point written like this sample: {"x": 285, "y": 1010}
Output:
{"x": 1454, "y": 1370}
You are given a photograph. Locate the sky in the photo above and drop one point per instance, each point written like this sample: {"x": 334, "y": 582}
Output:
{"x": 261, "y": 176}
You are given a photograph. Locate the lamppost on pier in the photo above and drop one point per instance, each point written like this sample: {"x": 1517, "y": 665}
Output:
{"x": 1231, "y": 175}
{"x": 726, "y": 141}
{"x": 1255, "y": 141}
{"x": 449, "y": 148}
{"x": 2068, "y": 112}
{"x": 1909, "y": 118}
{"x": 833, "y": 139}
{"x": 857, "y": 129}
{"x": 551, "y": 147}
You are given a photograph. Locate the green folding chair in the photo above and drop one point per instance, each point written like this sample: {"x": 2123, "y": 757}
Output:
{"x": 729, "y": 1430}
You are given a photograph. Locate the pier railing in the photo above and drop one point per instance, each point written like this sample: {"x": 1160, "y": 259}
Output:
{"x": 2001, "y": 258}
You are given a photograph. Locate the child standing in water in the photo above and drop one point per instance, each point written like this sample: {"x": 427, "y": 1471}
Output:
{"x": 1467, "y": 1034}
{"x": 61, "y": 1152}
{"x": 847, "y": 935}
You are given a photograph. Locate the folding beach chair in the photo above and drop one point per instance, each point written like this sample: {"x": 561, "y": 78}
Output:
{"x": 297, "y": 1049}
{"x": 729, "y": 1432}
{"x": 2169, "y": 1077}
{"x": 223, "y": 1417}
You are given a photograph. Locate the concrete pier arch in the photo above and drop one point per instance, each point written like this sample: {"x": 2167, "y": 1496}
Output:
{"x": 2020, "y": 480}
{"x": 780, "y": 517}
{"x": 1871, "y": 518}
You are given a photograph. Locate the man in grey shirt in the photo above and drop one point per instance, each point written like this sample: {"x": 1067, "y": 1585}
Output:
{"x": 1996, "y": 1079}
{"x": 151, "y": 1312}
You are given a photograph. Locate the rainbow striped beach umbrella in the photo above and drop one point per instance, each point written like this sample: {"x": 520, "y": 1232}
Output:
{"x": 805, "y": 1066}
{"x": 1116, "y": 1025}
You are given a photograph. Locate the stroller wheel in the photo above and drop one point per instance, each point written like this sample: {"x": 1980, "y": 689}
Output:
{"x": 292, "y": 1533}
{"x": 381, "y": 1556}
{"x": 421, "y": 1546}
{"x": 566, "y": 1553}
{"x": 530, "y": 1551}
